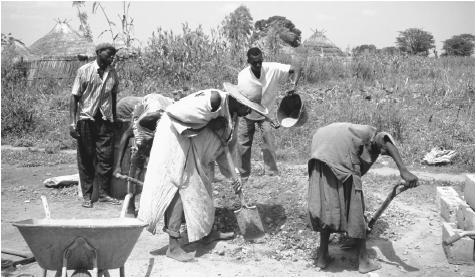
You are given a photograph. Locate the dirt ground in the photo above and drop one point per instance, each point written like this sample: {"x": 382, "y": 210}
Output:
{"x": 406, "y": 240}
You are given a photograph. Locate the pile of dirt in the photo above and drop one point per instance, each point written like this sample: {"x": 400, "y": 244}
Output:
{"x": 281, "y": 202}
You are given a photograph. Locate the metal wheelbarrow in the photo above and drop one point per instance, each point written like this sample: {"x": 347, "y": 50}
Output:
{"x": 81, "y": 244}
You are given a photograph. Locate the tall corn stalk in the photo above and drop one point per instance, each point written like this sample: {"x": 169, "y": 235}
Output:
{"x": 97, "y": 5}
{"x": 83, "y": 19}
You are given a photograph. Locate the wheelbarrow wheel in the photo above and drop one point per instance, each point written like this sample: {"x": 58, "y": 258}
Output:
{"x": 81, "y": 273}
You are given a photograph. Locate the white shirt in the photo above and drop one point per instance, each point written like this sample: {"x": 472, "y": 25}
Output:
{"x": 267, "y": 85}
{"x": 195, "y": 111}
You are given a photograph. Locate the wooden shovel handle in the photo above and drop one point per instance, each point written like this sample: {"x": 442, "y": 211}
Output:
{"x": 130, "y": 179}
{"x": 231, "y": 165}
{"x": 45, "y": 207}
{"x": 397, "y": 189}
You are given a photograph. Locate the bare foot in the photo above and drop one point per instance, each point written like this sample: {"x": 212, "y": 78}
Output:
{"x": 324, "y": 261}
{"x": 176, "y": 252}
{"x": 179, "y": 254}
{"x": 368, "y": 265}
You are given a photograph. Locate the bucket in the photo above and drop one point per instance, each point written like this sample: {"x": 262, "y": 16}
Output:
{"x": 291, "y": 111}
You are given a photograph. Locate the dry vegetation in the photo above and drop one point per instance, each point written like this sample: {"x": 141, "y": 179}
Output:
{"x": 424, "y": 102}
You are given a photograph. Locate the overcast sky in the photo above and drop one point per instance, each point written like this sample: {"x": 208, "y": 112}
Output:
{"x": 347, "y": 24}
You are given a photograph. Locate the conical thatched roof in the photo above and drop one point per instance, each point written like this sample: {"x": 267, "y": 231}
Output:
{"x": 319, "y": 44}
{"x": 62, "y": 41}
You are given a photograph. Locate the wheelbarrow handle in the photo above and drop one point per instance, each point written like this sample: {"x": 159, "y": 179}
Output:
{"x": 46, "y": 208}
{"x": 125, "y": 204}
{"x": 15, "y": 253}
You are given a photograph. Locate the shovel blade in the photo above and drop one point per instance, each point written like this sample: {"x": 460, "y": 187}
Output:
{"x": 249, "y": 223}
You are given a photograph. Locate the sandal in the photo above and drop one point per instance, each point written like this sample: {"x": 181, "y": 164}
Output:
{"x": 87, "y": 204}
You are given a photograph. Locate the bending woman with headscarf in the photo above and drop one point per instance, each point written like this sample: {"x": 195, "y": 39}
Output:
{"x": 176, "y": 184}
{"x": 341, "y": 153}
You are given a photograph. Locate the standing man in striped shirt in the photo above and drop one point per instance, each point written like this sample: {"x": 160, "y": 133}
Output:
{"x": 92, "y": 114}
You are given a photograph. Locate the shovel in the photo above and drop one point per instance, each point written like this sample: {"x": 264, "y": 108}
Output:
{"x": 247, "y": 217}
{"x": 397, "y": 189}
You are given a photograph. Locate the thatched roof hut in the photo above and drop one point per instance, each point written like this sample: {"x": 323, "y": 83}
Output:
{"x": 319, "y": 45}
{"x": 60, "y": 53}
{"x": 62, "y": 41}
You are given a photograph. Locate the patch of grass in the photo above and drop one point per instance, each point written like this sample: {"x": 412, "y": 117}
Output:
{"x": 28, "y": 158}
{"x": 423, "y": 102}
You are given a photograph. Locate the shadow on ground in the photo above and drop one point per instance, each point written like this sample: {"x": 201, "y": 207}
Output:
{"x": 386, "y": 246}
{"x": 347, "y": 259}
{"x": 272, "y": 217}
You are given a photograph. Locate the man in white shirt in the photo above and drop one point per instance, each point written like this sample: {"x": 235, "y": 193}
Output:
{"x": 263, "y": 78}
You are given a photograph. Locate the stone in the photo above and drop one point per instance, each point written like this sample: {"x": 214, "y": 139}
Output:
{"x": 460, "y": 217}
{"x": 468, "y": 219}
{"x": 444, "y": 191}
{"x": 469, "y": 189}
{"x": 461, "y": 251}
{"x": 449, "y": 205}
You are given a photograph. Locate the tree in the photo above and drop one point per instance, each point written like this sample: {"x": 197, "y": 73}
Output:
{"x": 237, "y": 27}
{"x": 364, "y": 49}
{"x": 390, "y": 50}
{"x": 278, "y": 27}
{"x": 8, "y": 40}
{"x": 459, "y": 45}
{"x": 83, "y": 20}
{"x": 415, "y": 41}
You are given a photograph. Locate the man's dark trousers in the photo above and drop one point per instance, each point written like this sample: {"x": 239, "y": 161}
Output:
{"x": 95, "y": 153}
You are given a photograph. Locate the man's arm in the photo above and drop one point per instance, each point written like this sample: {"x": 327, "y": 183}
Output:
{"x": 390, "y": 149}
{"x": 295, "y": 73}
{"x": 114, "y": 99}
{"x": 76, "y": 93}
{"x": 122, "y": 147}
{"x": 73, "y": 110}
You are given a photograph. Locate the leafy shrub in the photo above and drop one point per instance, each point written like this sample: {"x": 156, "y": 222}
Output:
{"x": 17, "y": 110}
{"x": 423, "y": 102}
